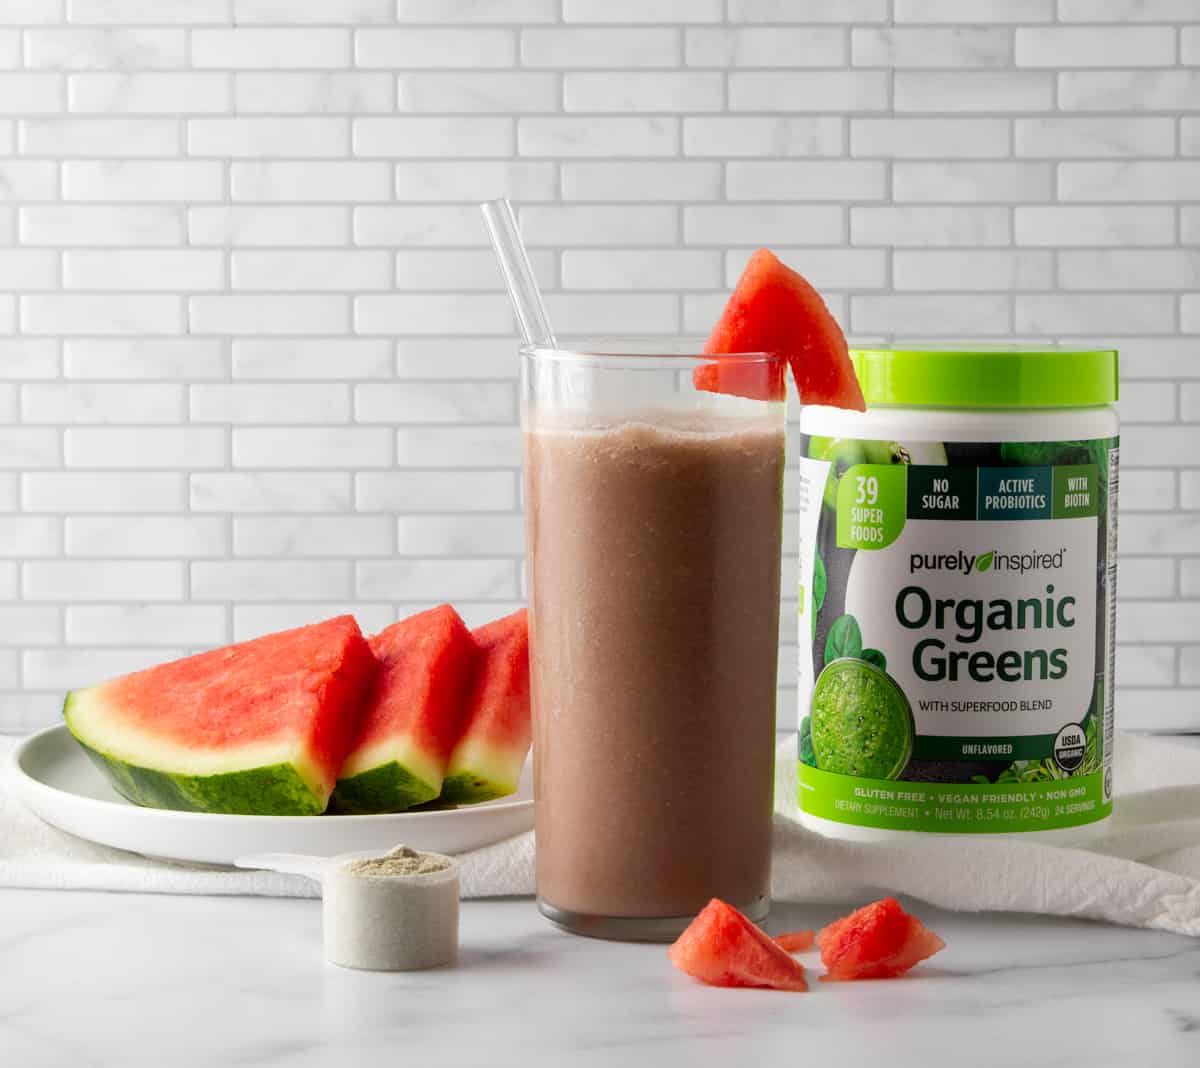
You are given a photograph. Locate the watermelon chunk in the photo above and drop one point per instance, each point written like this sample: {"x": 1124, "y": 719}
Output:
{"x": 795, "y": 941}
{"x": 756, "y": 379}
{"x": 413, "y": 717}
{"x": 722, "y": 947}
{"x": 878, "y": 941}
{"x": 257, "y": 728}
{"x": 490, "y": 753}
{"x": 774, "y": 309}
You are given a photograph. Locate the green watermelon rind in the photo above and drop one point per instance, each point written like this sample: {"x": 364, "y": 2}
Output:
{"x": 389, "y": 787}
{"x": 467, "y": 788}
{"x": 270, "y": 790}
{"x": 481, "y": 771}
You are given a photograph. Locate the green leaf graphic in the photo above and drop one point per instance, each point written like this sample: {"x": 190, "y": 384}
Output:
{"x": 984, "y": 563}
{"x": 819, "y": 583}
{"x": 845, "y": 639}
{"x": 874, "y": 656}
{"x": 807, "y": 756}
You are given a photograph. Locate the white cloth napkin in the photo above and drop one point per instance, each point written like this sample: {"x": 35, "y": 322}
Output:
{"x": 1144, "y": 873}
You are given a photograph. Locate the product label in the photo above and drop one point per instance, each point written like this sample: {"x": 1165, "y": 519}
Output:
{"x": 959, "y": 601}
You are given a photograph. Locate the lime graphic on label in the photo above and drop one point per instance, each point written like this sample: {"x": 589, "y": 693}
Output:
{"x": 862, "y": 723}
{"x": 842, "y": 454}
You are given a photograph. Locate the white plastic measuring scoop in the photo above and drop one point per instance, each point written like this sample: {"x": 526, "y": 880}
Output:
{"x": 378, "y": 922}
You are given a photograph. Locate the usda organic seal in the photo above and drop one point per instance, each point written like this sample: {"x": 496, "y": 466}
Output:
{"x": 1070, "y": 746}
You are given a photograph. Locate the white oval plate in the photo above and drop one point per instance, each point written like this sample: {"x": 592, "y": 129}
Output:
{"x": 57, "y": 780}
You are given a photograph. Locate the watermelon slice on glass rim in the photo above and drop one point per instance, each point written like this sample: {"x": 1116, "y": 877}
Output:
{"x": 774, "y": 309}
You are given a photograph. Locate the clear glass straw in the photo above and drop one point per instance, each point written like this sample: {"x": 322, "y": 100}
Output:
{"x": 518, "y": 274}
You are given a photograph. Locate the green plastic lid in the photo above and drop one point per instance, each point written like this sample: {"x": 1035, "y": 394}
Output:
{"x": 1001, "y": 377}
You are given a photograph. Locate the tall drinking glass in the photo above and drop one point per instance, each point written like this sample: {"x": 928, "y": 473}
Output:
{"x": 654, "y": 516}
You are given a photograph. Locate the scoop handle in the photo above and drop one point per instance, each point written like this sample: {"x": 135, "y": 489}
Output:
{"x": 285, "y": 863}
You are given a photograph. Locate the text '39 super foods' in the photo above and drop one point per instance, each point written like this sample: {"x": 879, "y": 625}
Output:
{"x": 958, "y": 574}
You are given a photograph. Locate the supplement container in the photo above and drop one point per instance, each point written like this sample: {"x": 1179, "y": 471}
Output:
{"x": 957, "y": 593}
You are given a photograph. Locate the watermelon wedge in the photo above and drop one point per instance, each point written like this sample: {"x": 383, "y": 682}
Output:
{"x": 413, "y": 717}
{"x": 258, "y": 728}
{"x": 722, "y": 947}
{"x": 878, "y": 941}
{"x": 742, "y": 377}
{"x": 487, "y": 761}
{"x": 774, "y": 309}
{"x": 795, "y": 941}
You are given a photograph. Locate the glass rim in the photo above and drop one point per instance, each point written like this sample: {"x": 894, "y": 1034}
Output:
{"x": 645, "y": 353}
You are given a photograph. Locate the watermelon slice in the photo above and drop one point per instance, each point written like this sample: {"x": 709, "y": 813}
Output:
{"x": 413, "y": 717}
{"x": 773, "y": 309}
{"x": 878, "y": 941}
{"x": 487, "y": 761}
{"x": 723, "y": 948}
{"x": 795, "y": 941}
{"x": 258, "y": 728}
{"x": 756, "y": 379}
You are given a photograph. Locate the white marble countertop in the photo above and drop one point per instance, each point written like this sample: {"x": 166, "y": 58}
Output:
{"x": 124, "y": 979}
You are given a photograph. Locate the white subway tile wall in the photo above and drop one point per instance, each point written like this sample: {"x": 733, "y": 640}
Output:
{"x": 256, "y": 367}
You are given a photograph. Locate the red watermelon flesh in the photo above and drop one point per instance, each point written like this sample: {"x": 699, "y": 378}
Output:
{"x": 414, "y": 714}
{"x": 497, "y": 729}
{"x": 722, "y": 947}
{"x": 774, "y": 309}
{"x": 795, "y": 941}
{"x": 878, "y": 941}
{"x": 260, "y": 727}
{"x": 757, "y": 379}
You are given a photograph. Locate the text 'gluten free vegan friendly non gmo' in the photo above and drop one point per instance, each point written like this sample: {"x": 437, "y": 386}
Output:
{"x": 957, "y": 562}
